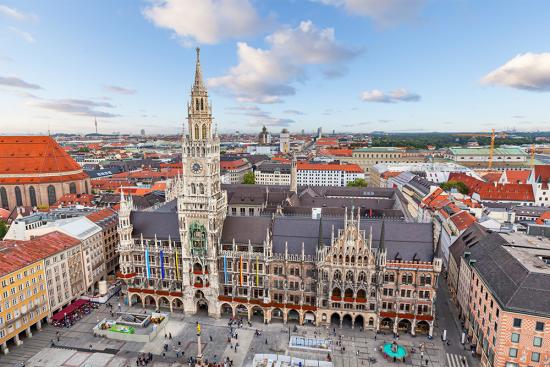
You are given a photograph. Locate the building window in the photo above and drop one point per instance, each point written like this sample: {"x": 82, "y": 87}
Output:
{"x": 539, "y": 326}
{"x": 4, "y": 198}
{"x": 513, "y": 352}
{"x": 32, "y": 196}
{"x": 535, "y": 356}
{"x": 52, "y": 198}
{"x": 517, "y": 322}
{"x": 537, "y": 341}
{"x": 72, "y": 188}
{"x": 515, "y": 337}
{"x": 18, "y": 197}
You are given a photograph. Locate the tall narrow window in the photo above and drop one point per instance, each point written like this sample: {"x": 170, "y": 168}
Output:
{"x": 4, "y": 198}
{"x": 204, "y": 132}
{"x": 51, "y": 195}
{"x": 202, "y": 105}
{"x": 197, "y": 132}
{"x": 18, "y": 197}
{"x": 32, "y": 196}
{"x": 197, "y": 104}
{"x": 72, "y": 188}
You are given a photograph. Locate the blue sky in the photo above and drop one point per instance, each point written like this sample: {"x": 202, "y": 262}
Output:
{"x": 348, "y": 65}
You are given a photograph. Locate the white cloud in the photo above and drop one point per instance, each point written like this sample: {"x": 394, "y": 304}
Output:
{"x": 266, "y": 75}
{"x": 77, "y": 107}
{"x": 398, "y": 95}
{"x": 384, "y": 12}
{"x": 529, "y": 71}
{"x": 24, "y": 35}
{"x": 17, "y": 83}
{"x": 119, "y": 90}
{"x": 205, "y": 21}
{"x": 15, "y": 14}
{"x": 259, "y": 117}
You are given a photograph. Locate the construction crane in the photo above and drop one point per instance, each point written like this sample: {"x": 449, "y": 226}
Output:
{"x": 492, "y": 149}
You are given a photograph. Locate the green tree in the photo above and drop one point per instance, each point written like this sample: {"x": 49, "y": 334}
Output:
{"x": 249, "y": 178}
{"x": 3, "y": 229}
{"x": 358, "y": 182}
{"x": 459, "y": 185}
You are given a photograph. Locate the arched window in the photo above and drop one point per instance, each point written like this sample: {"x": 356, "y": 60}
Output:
{"x": 337, "y": 275}
{"x": 201, "y": 186}
{"x": 18, "y": 197}
{"x": 197, "y": 104}
{"x": 204, "y": 131}
{"x": 52, "y": 198}
{"x": 197, "y": 132}
{"x": 362, "y": 277}
{"x": 202, "y": 104}
{"x": 72, "y": 188}
{"x": 193, "y": 189}
{"x": 32, "y": 196}
{"x": 4, "y": 198}
{"x": 349, "y": 276}
{"x": 428, "y": 280}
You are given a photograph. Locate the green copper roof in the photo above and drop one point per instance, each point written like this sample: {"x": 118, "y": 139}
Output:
{"x": 485, "y": 151}
{"x": 379, "y": 149}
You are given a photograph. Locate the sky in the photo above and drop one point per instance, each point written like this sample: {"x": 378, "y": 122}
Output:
{"x": 346, "y": 65}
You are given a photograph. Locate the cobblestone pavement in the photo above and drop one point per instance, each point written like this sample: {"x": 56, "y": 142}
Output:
{"x": 73, "y": 348}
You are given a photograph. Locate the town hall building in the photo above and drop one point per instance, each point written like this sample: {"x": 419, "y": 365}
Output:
{"x": 311, "y": 255}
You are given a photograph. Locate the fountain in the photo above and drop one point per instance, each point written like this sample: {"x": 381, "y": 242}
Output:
{"x": 394, "y": 350}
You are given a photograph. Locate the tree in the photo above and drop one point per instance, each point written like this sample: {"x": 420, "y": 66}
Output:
{"x": 3, "y": 229}
{"x": 358, "y": 182}
{"x": 458, "y": 185}
{"x": 249, "y": 178}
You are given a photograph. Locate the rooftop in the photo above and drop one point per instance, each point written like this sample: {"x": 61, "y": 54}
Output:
{"x": 486, "y": 151}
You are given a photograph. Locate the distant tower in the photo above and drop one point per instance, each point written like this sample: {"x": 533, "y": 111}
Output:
{"x": 319, "y": 132}
{"x": 142, "y": 132}
{"x": 264, "y": 138}
{"x": 303, "y": 132}
{"x": 294, "y": 175}
{"x": 95, "y": 123}
{"x": 284, "y": 142}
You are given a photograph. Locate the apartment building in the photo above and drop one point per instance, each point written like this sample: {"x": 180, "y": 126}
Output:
{"x": 509, "y": 300}
{"x": 29, "y": 284}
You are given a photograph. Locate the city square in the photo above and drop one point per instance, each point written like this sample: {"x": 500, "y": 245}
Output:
{"x": 77, "y": 346}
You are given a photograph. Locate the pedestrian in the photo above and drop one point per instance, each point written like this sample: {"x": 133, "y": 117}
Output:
{"x": 265, "y": 341}
{"x": 90, "y": 347}
{"x": 163, "y": 355}
{"x": 394, "y": 359}
{"x": 210, "y": 337}
{"x": 165, "y": 336}
{"x": 426, "y": 361}
{"x": 119, "y": 306}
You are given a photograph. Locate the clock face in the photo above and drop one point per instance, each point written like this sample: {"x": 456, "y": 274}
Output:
{"x": 196, "y": 167}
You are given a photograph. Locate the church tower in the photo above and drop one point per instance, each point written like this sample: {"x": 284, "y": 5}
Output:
{"x": 202, "y": 205}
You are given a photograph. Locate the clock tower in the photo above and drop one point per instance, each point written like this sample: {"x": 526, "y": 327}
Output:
{"x": 202, "y": 205}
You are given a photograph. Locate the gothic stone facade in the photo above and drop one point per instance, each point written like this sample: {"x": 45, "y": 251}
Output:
{"x": 189, "y": 256}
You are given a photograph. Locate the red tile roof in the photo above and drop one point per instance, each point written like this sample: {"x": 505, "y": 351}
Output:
{"x": 101, "y": 215}
{"x": 542, "y": 175}
{"x": 463, "y": 220}
{"x": 543, "y": 217}
{"x": 71, "y": 199}
{"x": 519, "y": 177}
{"x": 492, "y": 176}
{"x": 390, "y": 174}
{"x": 109, "y": 185}
{"x": 337, "y": 152}
{"x": 18, "y": 254}
{"x": 228, "y": 165}
{"x": 495, "y": 192}
{"x": 33, "y": 155}
{"x": 329, "y": 167}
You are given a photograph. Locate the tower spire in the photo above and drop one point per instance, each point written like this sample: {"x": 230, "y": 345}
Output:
{"x": 198, "y": 73}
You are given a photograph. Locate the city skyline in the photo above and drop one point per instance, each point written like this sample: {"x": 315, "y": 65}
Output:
{"x": 426, "y": 66}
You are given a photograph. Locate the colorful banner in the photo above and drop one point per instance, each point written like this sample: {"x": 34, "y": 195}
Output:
{"x": 225, "y": 269}
{"x": 147, "y": 267}
{"x": 162, "y": 264}
{"x": 177, "y": 266}
{"x": 241, "y": 269}
{"x": 257, "y": 275}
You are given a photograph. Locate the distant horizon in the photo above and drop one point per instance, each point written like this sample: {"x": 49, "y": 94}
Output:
{"x": 359, "y": 66}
